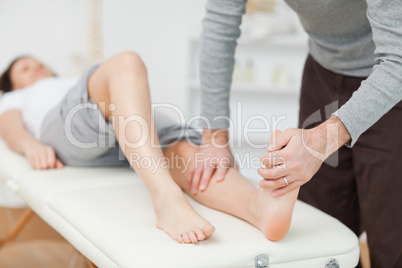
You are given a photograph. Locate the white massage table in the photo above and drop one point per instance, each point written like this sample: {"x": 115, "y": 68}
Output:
{"x": 107, "y": 215}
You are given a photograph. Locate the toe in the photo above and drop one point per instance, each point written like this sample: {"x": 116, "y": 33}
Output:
{"x": 186, "y": 238}
{"x": 180, "y": 238}
{"x": 192, "y": 236}
{"x": 208, "y": 230}
{"x": 200, "y": 234}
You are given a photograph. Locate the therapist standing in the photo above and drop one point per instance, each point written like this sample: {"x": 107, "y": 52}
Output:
{"x": 353, "y": 75}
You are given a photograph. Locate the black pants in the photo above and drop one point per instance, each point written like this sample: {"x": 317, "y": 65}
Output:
{"x": 365, "y": 186}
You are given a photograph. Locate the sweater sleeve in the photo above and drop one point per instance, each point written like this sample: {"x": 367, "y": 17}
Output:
{"x": 221, "y": 29}
{"x": 382, "y": 90}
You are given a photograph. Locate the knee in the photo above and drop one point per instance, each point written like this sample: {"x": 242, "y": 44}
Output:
{"x": 129, "y": 61}
{"x": 129, "y": 57}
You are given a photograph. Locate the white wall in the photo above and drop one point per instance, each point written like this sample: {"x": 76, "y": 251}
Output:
{"x": 55, "y": 32}
{"x": 160, "y": 31}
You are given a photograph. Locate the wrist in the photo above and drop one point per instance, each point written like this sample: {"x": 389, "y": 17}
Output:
{"x": 220, "y": 136}
{"x": 332, "y": 135}
{"x": 27, "y": 144}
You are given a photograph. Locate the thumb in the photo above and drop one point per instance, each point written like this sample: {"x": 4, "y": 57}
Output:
{"x": 279, "y": 139}
{"x": 272, "y": 138}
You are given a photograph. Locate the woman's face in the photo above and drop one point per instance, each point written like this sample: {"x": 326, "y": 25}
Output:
{"x": 27, "y": 71}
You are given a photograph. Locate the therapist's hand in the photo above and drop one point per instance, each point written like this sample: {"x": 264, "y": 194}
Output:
{"x": 213, "y": 158}
{"x": 297, "y": 154}
{"x": 41, "y": 156}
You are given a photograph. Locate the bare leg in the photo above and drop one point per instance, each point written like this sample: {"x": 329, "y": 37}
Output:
{"x": 237, "y": 196}
{"x": 122, "y": 81}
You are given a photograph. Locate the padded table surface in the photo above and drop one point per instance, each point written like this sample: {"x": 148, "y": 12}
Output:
{"x": 106, "y": 213}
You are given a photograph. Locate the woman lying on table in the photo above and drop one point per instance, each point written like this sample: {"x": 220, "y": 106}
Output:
{"x": 56, "y": 121}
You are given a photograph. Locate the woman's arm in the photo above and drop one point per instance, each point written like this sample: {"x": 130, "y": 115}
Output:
{"x": 18, "y": 139}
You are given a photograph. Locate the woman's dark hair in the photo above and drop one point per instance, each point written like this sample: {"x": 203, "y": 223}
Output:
{"x": 5, "y": 79}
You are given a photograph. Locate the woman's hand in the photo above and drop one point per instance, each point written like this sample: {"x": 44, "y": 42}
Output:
{"x": 16, "y": 136}
{"x": 41, "y": 156}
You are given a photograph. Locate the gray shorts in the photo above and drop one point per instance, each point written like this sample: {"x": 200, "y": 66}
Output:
{"x": 81, "y": 136}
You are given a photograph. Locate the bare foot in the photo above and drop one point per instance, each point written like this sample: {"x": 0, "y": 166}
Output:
{"x": 272, "y": 215}
{"x": 178, "y": 219}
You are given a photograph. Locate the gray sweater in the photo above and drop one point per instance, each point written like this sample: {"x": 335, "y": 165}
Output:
{"x": 360, "y": 38}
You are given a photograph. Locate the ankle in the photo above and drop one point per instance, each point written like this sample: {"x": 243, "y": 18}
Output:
{"x": 161, "y": 185}
{"x": 166, "y": 194}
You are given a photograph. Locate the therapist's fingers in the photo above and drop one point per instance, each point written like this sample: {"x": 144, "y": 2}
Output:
{"x": 272, "y": 138}
{"x": 274, "y": 184}
{"x": 190, "y": 175}
{"x": 206, "y": 177}
{"x": 196, "y": 179}
{"x": 282, "y": 139}
{"x": 287, "y": 189}
{"x": 272, "y": 173}
{"x": 272, "y": 159}
{"x": 221, "y": 173}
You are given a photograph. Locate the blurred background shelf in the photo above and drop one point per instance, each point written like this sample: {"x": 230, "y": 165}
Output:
{"x": 269, "y": 61}
{"x": 251, "y": 88}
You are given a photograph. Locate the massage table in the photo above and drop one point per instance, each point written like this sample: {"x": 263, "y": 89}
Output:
{"x": 106, "y": 214}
